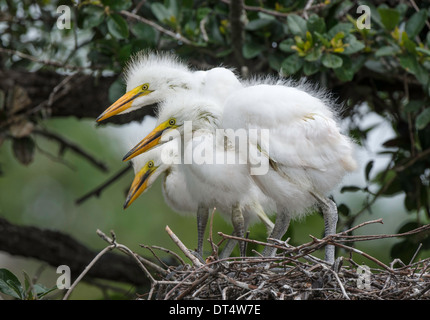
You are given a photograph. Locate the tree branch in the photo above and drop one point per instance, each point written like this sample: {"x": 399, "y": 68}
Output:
{"x": 65, "y": 144}
{"x": 279, "y": 14}
{"x": 97, "y": 191}
{"x": 236, "y": 26}
{"x": 56, "y": 248}
{"x": 87, "y": 97}
{"x": 176, "y": 36}
{"x": 45, "y": 62}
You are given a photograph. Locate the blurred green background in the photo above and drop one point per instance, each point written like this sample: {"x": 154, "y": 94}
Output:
{"x": 381, "y": 75}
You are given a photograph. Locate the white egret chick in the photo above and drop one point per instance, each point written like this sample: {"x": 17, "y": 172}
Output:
{"x": 226, "y": 186}
{"x": 150, "y": 165}
{"x": 151, "y": 77}
{"x": 307, "y": 154}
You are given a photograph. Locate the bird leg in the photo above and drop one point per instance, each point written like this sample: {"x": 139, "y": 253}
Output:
{"x": 330, "y": 214}
{"x": 229, "y": 247}
{"x": 281, "y": 226}
{"x": 238, "y": 227}
{"x": 202, "y": 220}
{"x": 329, "y": 210}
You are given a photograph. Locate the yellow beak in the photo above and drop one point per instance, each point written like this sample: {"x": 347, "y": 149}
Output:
{"x": 139, "y": 184}
{"x": 123, "y": 103}
{"x": 150, "y": 141}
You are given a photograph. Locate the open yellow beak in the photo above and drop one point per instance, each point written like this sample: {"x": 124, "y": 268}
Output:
{"x": 124, "y": 102}
{"x": 150, "y": 141}
{"x": 139, "y": 185}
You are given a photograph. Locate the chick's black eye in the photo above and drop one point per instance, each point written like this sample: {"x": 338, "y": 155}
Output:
{"x": 172, "y": 122}
{"x": 145, "y": 86}
{"x": 150, "y": 164}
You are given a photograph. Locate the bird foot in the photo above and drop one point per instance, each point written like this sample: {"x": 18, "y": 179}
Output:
{"x": 198, "y": 256}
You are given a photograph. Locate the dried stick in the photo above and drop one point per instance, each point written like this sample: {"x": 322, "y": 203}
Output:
{"x": 183, "y": 248}
{"x": 361, "y": 225}
{"x": 364, "y": 255}
{"x": 169, "y": 252}
{"x": 155, "y": 256}
{"x": 342, "y": 288}
{"x": 87, "y": 268}
{"x": 138, "y": 259}
{"x": 227, "y": 236}
{"x": 192, "y": 286}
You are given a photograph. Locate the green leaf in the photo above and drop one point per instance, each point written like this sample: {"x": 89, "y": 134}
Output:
{"x": 350, "y": 189}
{"x": 27, "y": 287}
{"x": 344, "y": 27}
{"x": 386, "y": 51}
{"x": 414, "y": 105}
{"x": 124, "y": 53}
{"x": 116, "y": 5}
{"x": 343, "y": 209}
{"x": 202, "y": 12}
{"x": 314, "y": 54}
{"x": 23, "y": 150}
{"x": 258, "y": 24}
{"x": 369, "y": 167}
{"x": 349, "y": 67}
{"x": 323, "y": 39}
{"x": 42, "y": 291}
{"x": 285, "y": 45}
{"x": 403, "y": 250}
{"x": 408, "y": 62}
{"x": 416, "y": 23}
{"x": 389, "y": 17}
{"x": 173, "y": 7}
{"x": 316, "y": 23}
{"x": 251, "y": 50}
{"x": 291, "y": 64}
{"x": 411, "y": 64}
{"x": 10, "y": 285}
{"x": 310, "y": 68}
{"x": 94, "y": 16}
{"x": 145, "y": 32}
{"x": 408, "y": 43}
{"x": 117, "y": 26}
{"x": 331, "y": 60}
{"x": 344, "y": 73}
{"x": 353, "y": 45}
{"x": 275, "y": 61}
{"x": 422, "y": 50}
{"x": 160, "y": 11}
{"x": 297, "y": 25}
{"x": 224, "y": 53}
{"x": 423, "y": 119}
